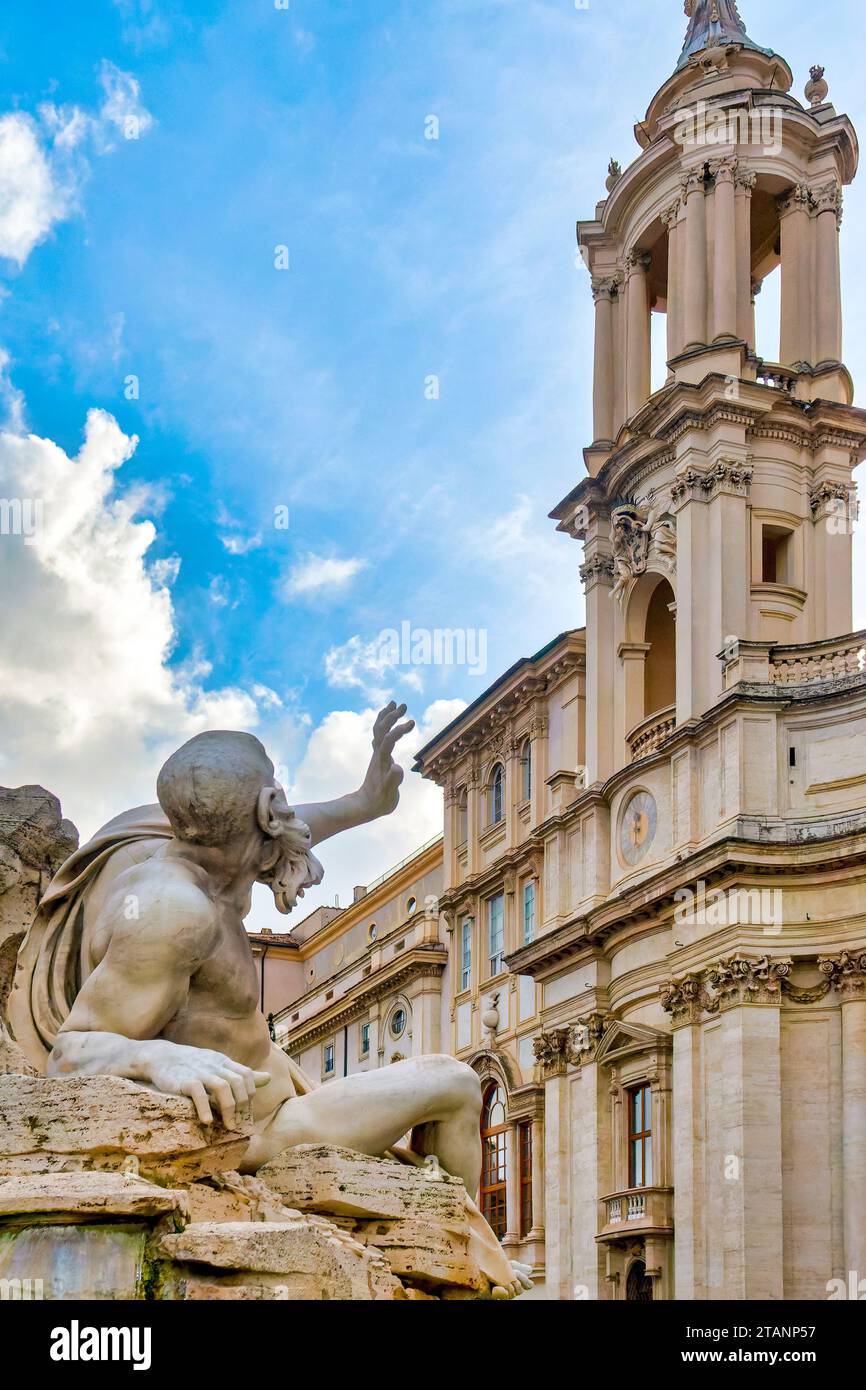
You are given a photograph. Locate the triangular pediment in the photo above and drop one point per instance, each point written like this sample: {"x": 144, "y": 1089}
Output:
{"x": 621, "y": 1039}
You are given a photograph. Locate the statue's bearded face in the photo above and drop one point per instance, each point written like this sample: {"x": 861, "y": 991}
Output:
{"x": 296, "y": 868}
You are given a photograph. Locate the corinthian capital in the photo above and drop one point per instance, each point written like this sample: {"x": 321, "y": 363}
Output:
{"x": 598, "y": 570}
{"x": 693, "y": 182}
{"x": 828, "y": 198}
{"x": 605, "y": 287}
{"x": 746, "y": 178}
{"x": 724, "y": 169}
{"x": 797, "y": 199}
{"x": 846, "y": 973}
{"x": 638, "y": 260}
{"x": 554, "y": 1050}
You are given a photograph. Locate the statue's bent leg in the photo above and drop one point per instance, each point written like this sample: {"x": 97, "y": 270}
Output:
{"x": 437, "y": 1097}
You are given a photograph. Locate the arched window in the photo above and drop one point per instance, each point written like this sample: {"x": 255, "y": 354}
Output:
{"x": 494, "y": 1160}
{"x": 462, "y": 816}
{"x": 660, "y": 671}
{"x": 496, "y": 794}
{"x": 526, "y": 768}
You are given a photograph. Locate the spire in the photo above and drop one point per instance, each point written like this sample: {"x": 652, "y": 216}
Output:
{"x": 714, "y": 23}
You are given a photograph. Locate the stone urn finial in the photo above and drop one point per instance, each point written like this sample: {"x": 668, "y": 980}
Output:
{"x": 614, "y": 174}
{"x": 490, "y": 1016}
{"x": 816, "y": 88}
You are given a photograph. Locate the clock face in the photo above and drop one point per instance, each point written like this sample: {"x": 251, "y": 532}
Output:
{"x": 637, "y": 828}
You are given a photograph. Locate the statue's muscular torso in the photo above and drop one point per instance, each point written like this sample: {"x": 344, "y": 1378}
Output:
{"x": 220, "y": 1008}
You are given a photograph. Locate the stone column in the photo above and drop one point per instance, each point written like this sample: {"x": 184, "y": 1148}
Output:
{"x": 512, "y": 1189}
{"x": 728, "y": 1156}
{"x": 695, "y": 286}
{"x": 828, "y": 202}
{"x": 848, "y": 974}
{"x": 597, "y": 577}
{"x": 631, "y": 700}
{"x": 553, "y": 1050}
{"x": 754, "y": 290}
{"x": 745, "y": 182}
{"x": 604, "y": 292}
{"x": 725, "y": 250}
{"x": 796, "y": 327}
{"x": 638, "y": 363}
{"x": 537, "y": 1232}
{"x": 473, "y": 813}
{"x": 688, "y": 1162}
{"x": 671, "y": 219}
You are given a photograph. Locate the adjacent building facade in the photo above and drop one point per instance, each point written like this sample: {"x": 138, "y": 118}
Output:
{"x": 369, "y": 984}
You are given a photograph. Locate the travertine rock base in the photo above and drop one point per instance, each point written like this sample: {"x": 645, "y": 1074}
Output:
{"x": 108, "y": 1190}
{"x": 415, "y": 1217}
{"x": 81, "y": 1123}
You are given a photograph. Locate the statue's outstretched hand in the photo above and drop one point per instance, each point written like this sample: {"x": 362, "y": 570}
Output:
{"x": 381, "y": 787}
{"x": 208, "y": 1078}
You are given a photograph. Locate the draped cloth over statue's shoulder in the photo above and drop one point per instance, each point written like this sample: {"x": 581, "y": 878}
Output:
{"x": 54, "y": 959}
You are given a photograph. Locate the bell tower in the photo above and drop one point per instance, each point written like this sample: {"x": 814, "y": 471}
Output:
{"x": 718, "y": 509}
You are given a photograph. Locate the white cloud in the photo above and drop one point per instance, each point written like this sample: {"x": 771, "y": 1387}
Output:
{"x": 165, "y": 572}
{"x": 12, "y": 398}
{"x": 90, "y": 704}
{"x": 369, "y": 667}
{"x": 241, "y": 545}
{"x": 318, "y": 573}
{"x": 30, "y": 200}
{"x": 122, "y": 107}
{"x": 44, "y": 159}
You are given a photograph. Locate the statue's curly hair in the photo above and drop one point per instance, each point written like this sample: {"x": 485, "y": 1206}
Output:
{"x": 209, "y": 788}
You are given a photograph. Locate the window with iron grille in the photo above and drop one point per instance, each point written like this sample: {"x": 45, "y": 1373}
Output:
{"x": 496, "y": 933}
{"x": 640, "y": 1151}
{"x": 528, "y": 913}
{"x": 466, "y": 953}
{"x": 494, "y": 1161}
{"x": 524, "y": 1149}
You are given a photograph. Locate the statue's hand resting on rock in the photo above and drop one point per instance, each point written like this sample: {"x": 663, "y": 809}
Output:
{"x": 169, "y": 994}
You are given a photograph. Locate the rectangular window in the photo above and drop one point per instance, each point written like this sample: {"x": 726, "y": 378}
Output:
{"x": 365, "y": 1039}
{"x": 775, "y": 555}
{"x": 328, "y": 1066}
{"x": 640, "y": 1152}
{"x": 524, "y": 1136}
{"x": 496, "y": 933}
{"x": 466, "y": 953}
{"x": 528, "y": 913}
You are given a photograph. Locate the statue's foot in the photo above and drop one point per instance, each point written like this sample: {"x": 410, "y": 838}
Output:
{"x": 521, "y": 1283}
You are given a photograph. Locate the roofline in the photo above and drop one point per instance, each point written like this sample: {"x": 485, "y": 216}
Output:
{"x": 420, "y": 862}
{"x": 525, "y": 661}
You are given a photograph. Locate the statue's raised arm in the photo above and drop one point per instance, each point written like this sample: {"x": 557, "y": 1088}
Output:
{"x": 378, "y": 794}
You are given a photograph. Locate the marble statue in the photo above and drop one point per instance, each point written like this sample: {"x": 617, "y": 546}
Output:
{"x": 138, "y": 966}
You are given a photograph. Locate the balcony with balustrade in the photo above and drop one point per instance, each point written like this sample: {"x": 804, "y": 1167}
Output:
{"x": 817, "y": 665}
{"x": 636, "y": 1212}
{"x": 648, "y": 736}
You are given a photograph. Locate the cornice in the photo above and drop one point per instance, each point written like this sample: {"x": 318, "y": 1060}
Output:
{"x": 485, "y": 727}
{"x": 740, "y": 979}
{"x": 715, "y": 864}
{"x": 418, "y": 961}
{"x": 529, "y": 854}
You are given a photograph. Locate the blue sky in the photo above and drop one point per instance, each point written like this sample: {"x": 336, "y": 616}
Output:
{"x": 262, "y": 388}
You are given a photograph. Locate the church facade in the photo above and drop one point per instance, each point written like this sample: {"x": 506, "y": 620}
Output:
{"x": 654, "y": 875}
